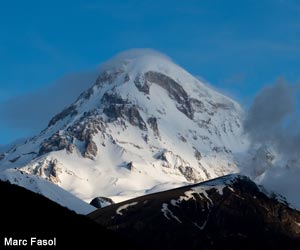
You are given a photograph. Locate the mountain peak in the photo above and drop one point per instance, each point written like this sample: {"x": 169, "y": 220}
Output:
{"x": 141, "y": 57}
{"x": 136, "y": 62}
{"x": 145, "y": 125}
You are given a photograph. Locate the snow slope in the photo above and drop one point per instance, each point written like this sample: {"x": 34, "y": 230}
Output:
{"x": 48, "y": 189}
{"x": 145, "y": 125}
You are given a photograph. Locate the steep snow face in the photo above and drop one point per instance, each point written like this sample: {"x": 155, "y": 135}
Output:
{"x": 48, "y": 189}
{"x": 144, "y": 126}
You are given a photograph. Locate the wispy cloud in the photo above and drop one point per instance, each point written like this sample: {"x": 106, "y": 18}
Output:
{"x": 31, "y": 112}
{"x": 235, "y": 79}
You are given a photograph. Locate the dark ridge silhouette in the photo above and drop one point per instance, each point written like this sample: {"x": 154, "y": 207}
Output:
{"x": 229, "y": 212}
{"x": 25, "y": 214}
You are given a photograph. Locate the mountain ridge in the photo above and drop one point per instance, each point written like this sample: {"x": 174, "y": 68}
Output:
{"x": 229, "y": 212}
{"x": 25, "y": 214}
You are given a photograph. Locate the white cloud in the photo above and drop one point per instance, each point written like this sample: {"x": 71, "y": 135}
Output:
{"x": 273, "y": 123}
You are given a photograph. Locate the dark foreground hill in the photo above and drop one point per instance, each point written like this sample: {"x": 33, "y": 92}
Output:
{"x": 24, "y": 214}
{"x": 230, "y": 212}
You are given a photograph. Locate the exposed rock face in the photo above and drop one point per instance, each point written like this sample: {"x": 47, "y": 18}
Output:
{"x": 175, "y": 161}
{"x": 90, "y": 148}
{"x": 54, "y": 143}
{"x": 190, "y": 173}
{"x": 54, "y": 171}
{"x": 198, "y": 106}
{"x": 49, "y": 170}
{"x": 115, "y": 107}
{"x": 198, "y": 155}
{"x": 108, "y": 76}
{"x": 143, "y": 87}
{"x": 69, "y": 111}
{"x": 83, "y": 130}
{"x": 152, "y": 121}
{"x": 130, "y": 166}
{"x": 86, "y": 94}
{"x": 128, "y": 112}
{"x": 230, "y": 212}
{"x": 100, "y": 202}
{"x": 112, "y": 99}
{"x": 2, "y": 156}
{"x": 135, "y": 118}
{"x": 174, "y": 90}
{"x": 88, "y": 125}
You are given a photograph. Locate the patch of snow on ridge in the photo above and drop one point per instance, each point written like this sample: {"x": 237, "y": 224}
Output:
{"x": 168, "y": 213}
{"x": 124, "y": 207}
{"x": 187, "y": 196}
{"x": 200, "y": 227}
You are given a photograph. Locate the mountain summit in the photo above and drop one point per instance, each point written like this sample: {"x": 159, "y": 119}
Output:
{"x": 145, "y": 125}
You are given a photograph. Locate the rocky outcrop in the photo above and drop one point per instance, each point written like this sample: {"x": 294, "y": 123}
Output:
{"x": 175, "y": 91}
{"x": 90, "y": 148}
{"x": 142, "y": 86}
{"x": 100, "y": 202}
{"x": 88, "y": 125}
{"x": 171, "y": 160}
{"x": 2, "y": 156}
{"x": 55, "y": 143}
{"x": 130, "y": 166}
{"x": 190, "y": 173}
{"x": 86, "y": 94}
{"x": 70, "y": 111}
{"x": 108, "y": 76}
{"x": 109, "y": 99}
{"x": 104, "y": 77}
{"x": 152, "y": 121}
{"x": 197, "y": 154}
{"x": 198, "y": 106}
{"x": 128, "y": 112}
{"x": 116, "y": 107}
{"x": 135, "y": 118}
{"x": 54, "y": 171}
{"x": 48, "y": 169}
{"x": 83, "y": 130}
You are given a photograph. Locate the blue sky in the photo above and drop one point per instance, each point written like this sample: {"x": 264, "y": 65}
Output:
{"x": 237, "y": 46}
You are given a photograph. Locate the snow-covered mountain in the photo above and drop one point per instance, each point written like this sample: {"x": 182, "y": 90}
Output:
{"x": 145, "y": 125}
